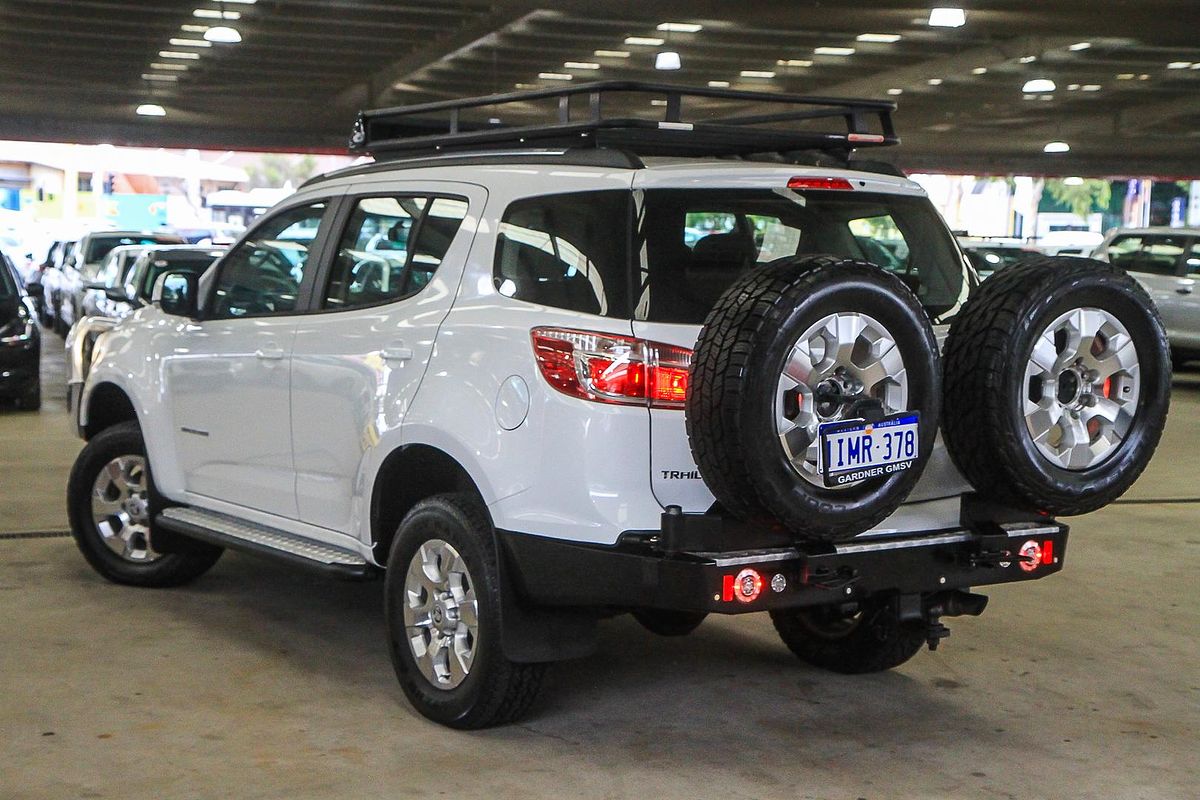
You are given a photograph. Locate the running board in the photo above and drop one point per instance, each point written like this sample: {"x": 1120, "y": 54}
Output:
{"x": 248, "y": 537}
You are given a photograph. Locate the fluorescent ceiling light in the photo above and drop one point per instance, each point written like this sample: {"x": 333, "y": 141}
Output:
{"x": 223, "y": 34}
{"x": 175, "y": 54}
{"x": 793, "y": 62}
{"x": 947, "y": 18}
{"x": 833, "y": 51}
{"x": 979, "y": 71}
{"x": 1143, "y": 77}
{"x": 1073, "y": 181}
{"x": 882, "y": 38}
{"x": 525, "y": 85}
{"x": 193, "y": 28}
{"x": 757, "y": 73}
{"x": 555, "y": 76}
{"x": 152, "y": 76}
{"x": 668, "y": 59}
{"x": 935, "y": 81}
{"x": 646, "y": 41}
{"x": 212, "y": 13}
{"x": 679, "y": 27}
{"x": 189, "y": 43}
{"x": 1072, "y": 87}
{"x": 1196, "y": 65}
{"x": 895, "y": 92}
{"x": 1027, "y": 59}
{"x": 658, "y": 102}
{"x": 1126, "y": 76}
{"x": 1038, "y": 85}
{"x": 1091, "y": 87}
{"x": 151, "y": 110}
{"x": 581, "y": 65}
{"x": 175, "y": 67}
{"x": 243, "y": 2}
{"x": 1080, "y": 46}
{"x": 1180, "y": 65}
{"x": 1056, "y": 147}
{"x": 719, "y": 84}
{"x": 612, "y": 53}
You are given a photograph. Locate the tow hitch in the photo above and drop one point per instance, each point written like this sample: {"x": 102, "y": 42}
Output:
{"x": 929, "y": 610}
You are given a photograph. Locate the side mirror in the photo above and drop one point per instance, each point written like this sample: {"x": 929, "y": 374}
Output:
{"x": 177, "y": 293}
{"x": 100, "y": 285}
{"x": 35, "y": 289}
{"x": 116, "y": 293}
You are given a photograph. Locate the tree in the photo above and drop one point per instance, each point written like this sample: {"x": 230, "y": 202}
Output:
{"x": 1083, "y": 198}
{"x": 274, "y": 170}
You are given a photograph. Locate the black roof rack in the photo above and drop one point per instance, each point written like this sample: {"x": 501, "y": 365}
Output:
{"x": 784, "y": 126}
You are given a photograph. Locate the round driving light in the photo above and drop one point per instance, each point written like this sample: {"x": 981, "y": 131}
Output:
{"x": 1031, "y": 555}
{"x": 778, "y": 583}
{"x": 747, "y": 586}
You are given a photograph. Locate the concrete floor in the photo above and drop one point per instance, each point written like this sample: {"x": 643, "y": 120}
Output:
{"x": 259, "y": 682}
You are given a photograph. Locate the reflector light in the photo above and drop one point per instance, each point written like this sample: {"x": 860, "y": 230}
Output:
{"x": 865, "y": 138}
{"x": 1048, "y": 552}
{"x": 607, "y": 368}
{"x": 747, "y": 586}
{"x": 1031, "y": 555}
{"x": 820, "y": 184}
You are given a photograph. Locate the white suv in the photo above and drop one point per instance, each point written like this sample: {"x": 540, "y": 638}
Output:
{"x": 537, "y": 386}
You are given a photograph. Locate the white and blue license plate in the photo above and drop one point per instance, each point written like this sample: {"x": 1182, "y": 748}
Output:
{"x": 856, "y": 450}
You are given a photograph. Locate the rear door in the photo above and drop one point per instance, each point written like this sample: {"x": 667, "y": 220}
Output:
{"x": 397, "y": 258}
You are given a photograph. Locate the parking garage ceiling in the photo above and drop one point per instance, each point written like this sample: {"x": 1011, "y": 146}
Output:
{"x": 1126, "y": 75}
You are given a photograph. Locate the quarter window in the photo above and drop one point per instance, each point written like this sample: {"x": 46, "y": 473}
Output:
{"x": 263, "y": 275}
{"x": 391, "y": 249}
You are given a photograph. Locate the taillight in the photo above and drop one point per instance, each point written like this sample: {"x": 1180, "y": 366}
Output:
{"x": 607, "y": 368}
{"x": 822, "y": 184}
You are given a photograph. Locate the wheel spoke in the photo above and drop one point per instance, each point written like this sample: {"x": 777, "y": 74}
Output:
{"x": 441, "y": 613}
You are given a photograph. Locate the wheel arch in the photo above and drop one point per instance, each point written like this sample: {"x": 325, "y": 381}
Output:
{"x": 107, "y": 404}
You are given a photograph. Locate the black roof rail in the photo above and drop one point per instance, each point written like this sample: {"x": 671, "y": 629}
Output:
{"x": 784, "y": 126}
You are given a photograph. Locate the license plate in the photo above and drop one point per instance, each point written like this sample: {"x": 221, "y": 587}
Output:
{"x": 856, "y": 450}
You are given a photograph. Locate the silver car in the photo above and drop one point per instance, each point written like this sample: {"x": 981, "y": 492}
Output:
{"x": 1167, "y": 262}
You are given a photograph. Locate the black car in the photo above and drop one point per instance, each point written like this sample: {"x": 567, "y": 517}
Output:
{"x": 20, "y": 342}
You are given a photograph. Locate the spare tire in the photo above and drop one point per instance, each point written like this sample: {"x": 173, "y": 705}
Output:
{"x": 789, "y": 346}
{"x": 1057, "y": 383}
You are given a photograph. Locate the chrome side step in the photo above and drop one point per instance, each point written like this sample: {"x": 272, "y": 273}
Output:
{"x": 236, "y": 534}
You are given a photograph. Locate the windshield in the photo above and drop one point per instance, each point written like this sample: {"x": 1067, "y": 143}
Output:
{"x": 99, "y": 245}
{"x": 695, "y": 243}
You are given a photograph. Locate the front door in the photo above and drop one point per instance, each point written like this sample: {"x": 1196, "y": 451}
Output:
{"x": 229, "y": 380}
{"x": 360, "y": 356}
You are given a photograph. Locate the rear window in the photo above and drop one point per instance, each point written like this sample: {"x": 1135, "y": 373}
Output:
{"x": 695, "y": 243}
{"x": 99, "y": 245}
{"x": 567, "y": 251}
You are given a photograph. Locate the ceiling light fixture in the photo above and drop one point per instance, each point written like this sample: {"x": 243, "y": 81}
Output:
{"x": 212, "y": 13}
{"x": 193, "y": 28}
{"x": 189, "y": 43}
{"x": 223, "y": 34}
{"x": 1126, "y": 76}
{"x": 152, "y": 76}
{"x": 668, "y": 59}
{"x": 947, "y": 18}
{"x": 644, "y": 41}
{"x": 1073, "y": 181}
{"x": 658, "y": 102}
{"x": 151, "y": 110}
{"x": 833, "y": 51}
{"x": 679, "y": 27}
{"x": 1091, "y": 87}
{"x": 581, "y": 65}
{"x": 979, "y": 71}
{"x": 1080, "y": 46}
{"x": 175, "y": 67}
{"x": 935, "y": 81}
{"x": 895, "y": 92}
{"x": 757, "y": 73}
{"x": 1056, "y": 147}
{"x": 1027, "y": 59}
{"x": 1039, "y": 85}
{"x": 176, "y": 54}
{"x": 880, "y": 38}
{"x": 718, "y": 84}
{"x": 793, "y": 62}
{"x": 555, "y": 76}
{"x": 1180, "y": 65}
{"x": 612, "y": 53}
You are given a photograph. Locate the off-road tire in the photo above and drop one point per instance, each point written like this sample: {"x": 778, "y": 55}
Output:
{"x": 737, "y": 363}
{"x": 874, "y": 641}
{"x": 668, "y": 623}
{"x": 496, "y": 690}
{"x": 170, "y": 569}
{"x": 990, "y": 344}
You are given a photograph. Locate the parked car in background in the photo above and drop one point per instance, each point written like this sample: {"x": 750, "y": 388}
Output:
{"x": 154, "y": 261}
{"x": 1166, "y": 261}
{"x": 222, "y": 234}
{"x": 111, "y": 275}
{"x": 989, "y": 255}
{"x": 80, "y": 270}
{"x": 51, "y": 282}
{"x": 20, "y": 341}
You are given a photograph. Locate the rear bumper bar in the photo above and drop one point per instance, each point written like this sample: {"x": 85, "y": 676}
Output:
{"x": 636, "y": 574}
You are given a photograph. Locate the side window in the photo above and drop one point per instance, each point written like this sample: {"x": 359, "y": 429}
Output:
{"x": 1157, "y": 255}
{"x": 738, "y": 236}
{"x": 881, "y": 242}
{"x": 262, "y": 275}
{"x": 567, "y": 251}
{"x": 391, "y": 249}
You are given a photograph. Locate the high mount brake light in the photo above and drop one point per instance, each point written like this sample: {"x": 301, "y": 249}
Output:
{"x": 821, "y": 184}
{"x": 607, "y": 368}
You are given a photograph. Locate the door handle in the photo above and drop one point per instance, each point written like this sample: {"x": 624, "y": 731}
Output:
{"x": 269, "y": 353}
{"x": 397, "y": 352}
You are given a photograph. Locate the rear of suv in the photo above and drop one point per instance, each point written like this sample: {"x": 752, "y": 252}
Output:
{"x": 615, "y": 370}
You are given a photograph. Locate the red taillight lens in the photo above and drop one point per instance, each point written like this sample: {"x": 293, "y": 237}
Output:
{"x": 820, "y": 184}
{"x": 607, "y": 368}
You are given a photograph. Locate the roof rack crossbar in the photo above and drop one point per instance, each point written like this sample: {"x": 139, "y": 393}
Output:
{"x": 417, "y": 128}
